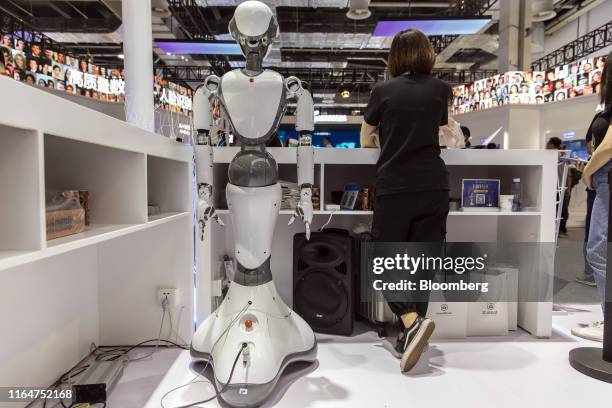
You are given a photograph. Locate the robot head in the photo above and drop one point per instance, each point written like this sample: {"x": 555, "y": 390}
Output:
{"x": 254, "y": 28}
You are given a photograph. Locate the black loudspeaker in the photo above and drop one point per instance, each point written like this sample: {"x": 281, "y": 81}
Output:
{"x": 323, "y": 281}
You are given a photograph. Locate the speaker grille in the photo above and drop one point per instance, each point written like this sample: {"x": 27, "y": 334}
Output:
{"x": 324, "y": 299}
{"x": 323, "y": 282}
{"x": 301, "y": 265}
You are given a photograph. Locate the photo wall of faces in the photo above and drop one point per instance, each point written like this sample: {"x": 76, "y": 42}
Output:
{"x": 530, "y": 87}
{"x": 31, "y": 63}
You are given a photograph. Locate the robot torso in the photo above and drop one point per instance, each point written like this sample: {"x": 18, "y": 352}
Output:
{"x": 254, "y": 104}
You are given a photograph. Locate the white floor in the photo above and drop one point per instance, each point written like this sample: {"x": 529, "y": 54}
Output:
{"x": 513, "y": 371}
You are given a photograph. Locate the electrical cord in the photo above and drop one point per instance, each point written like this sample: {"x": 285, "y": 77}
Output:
{"x": 193, "y": 380}
{"x": 328, "y": 220}
{"x": 224, "y": 388}
{"x": 114, "y": 354}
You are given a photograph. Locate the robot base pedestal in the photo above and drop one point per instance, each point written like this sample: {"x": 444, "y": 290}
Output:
{"x": 274, "y": 336}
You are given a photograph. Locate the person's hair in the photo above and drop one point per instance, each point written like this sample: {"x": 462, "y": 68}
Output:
{"x": 606, "y": 83}
{"x": 556, "y": 142}
{"x": 411, "y": 51}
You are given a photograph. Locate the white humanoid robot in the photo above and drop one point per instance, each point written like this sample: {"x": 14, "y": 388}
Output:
{"x": 253, "y": 335}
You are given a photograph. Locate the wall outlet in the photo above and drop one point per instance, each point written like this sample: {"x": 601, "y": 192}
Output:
{"x": 171, "y": 293}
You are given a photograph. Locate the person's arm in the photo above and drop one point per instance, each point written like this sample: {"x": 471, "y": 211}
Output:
{"x": 369, "y": 135}
{"x": 601, "y": 156}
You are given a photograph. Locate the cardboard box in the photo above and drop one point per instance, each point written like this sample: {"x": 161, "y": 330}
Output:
{"x": 450, "y": 319}
{"x": 65, "y": 222}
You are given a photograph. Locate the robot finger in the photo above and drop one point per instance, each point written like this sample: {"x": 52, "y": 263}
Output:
{"x": 307, "y": 225}
{"x": 219, "y": 220}
{"x": 291, "y": 219}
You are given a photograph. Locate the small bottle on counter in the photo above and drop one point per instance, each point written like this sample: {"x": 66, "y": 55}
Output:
{"x": 516, "y": 191}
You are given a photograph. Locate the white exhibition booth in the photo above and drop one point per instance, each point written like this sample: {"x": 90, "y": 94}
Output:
{"x": 100, "y": 286}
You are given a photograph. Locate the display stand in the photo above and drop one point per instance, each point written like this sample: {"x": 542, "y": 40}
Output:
{"x": 594, "y": 361}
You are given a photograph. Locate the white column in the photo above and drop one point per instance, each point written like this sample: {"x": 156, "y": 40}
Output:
{"x": 514, "y": 27}
{"x": 138, "y": 63}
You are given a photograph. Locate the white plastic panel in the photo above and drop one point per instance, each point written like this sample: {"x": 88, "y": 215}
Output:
{"x": 254, "y": 212}
{"x": 252, "y": 102}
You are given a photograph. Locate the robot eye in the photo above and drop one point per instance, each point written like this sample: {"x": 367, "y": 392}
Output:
{"x": 253, "y": 43}
{"x": 264, "y": 41}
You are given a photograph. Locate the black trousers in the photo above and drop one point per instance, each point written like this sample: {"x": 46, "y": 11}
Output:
{"x": 565, "y": 211}
{"x": 410, "y": 217}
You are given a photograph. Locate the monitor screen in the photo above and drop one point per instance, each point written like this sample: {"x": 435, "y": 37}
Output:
{"x": 578, "y": 149}
{"x": 338, "y": 138}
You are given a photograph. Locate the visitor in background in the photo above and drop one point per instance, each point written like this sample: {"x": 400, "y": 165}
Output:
{"x": 467, "y": 136}
{"x": 327, "y": 142}
{"x": 554, "y": 143}
{"x": 595, "y": 176}
{"x": 412, "y": 186}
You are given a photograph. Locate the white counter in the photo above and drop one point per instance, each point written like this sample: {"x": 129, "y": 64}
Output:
{"x": 334, "y": 168}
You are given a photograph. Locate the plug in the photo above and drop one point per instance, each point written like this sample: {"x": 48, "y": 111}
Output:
{"x": 167, "y": 297}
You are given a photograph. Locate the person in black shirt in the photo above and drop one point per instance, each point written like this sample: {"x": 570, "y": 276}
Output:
{"x": 412, "y": 188}
{"x": 595, "y": 176}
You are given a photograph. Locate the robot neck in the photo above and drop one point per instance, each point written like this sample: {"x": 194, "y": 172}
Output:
{"x": 253, "y": 63}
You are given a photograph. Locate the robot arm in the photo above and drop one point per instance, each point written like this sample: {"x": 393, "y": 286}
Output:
{"x": 202, "y": 120}
{"x": 305, "y": 152}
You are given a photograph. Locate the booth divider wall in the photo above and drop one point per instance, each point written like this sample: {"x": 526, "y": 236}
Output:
{"x": 99, "y": 286}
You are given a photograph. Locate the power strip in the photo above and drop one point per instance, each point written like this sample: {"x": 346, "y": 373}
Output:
{"x": 97, "y": 382}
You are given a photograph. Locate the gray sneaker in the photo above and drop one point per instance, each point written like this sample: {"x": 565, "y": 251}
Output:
{"x": 586, "y": 280}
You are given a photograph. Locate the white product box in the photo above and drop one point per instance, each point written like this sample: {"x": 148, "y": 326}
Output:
{"x": 490, "y": 318}
{"x": 450, "y": 319}
{"x": 487, "y": 319}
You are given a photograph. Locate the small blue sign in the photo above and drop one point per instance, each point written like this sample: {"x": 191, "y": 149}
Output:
{"x": 480, "y": 194}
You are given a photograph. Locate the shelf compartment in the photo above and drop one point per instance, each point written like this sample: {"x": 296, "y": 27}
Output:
{"x": 168, "y": 185}
{"x": 21, "y": 191}
{"x": 113, "y": 177}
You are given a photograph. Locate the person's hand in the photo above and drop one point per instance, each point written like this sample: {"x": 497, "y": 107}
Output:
{"x": 587, "y": 180}
{"x": 580, "y": 166}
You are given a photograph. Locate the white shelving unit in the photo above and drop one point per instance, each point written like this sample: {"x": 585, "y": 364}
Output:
{"x": 334, "y": 168}
{"x": 99, "y": 286}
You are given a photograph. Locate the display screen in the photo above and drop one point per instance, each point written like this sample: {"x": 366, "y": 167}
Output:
{"x": 431, "y": 27}
{"x": 578, "y": 149}
{"x": 35, "y": 64}
{"x": 530, "y": 87}
{"x": 338, "y": 138}
{"x": 199, "y": 47}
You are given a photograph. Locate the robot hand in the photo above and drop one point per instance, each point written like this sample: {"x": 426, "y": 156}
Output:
{"x": 205, "y": 210}
{"x": 304, "y": 209}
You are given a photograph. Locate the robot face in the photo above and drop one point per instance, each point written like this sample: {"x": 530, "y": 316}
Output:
{"x": 254, "y": 27}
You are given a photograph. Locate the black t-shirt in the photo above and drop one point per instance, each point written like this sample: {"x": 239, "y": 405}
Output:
{"x": 599, "y": 127}
{"x": 409, "y": 109}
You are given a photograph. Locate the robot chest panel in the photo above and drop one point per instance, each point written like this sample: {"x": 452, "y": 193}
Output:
{"x": 254, "y": 105}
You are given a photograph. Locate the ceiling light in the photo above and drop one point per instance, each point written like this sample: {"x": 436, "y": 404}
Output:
{"x": 358, "y": 10}
{"x": 345, "y": 93}
{"x": 543, "y": 10}
{"x": 120, "y": 56}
